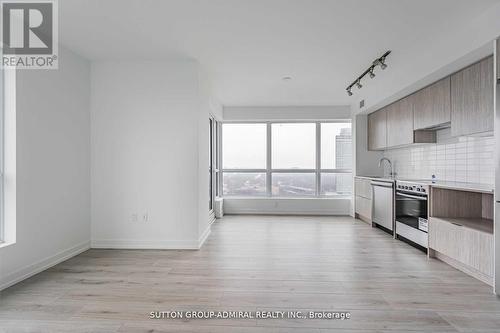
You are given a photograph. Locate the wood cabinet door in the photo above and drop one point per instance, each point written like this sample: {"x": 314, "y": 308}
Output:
{"x": 377, "y": 130}
{"x": 472, "y": 99}
{"x": 432, "y": 105}
{"x": 363, "y": 188}
{"x": 400, "y": 122}
{"x": 363, "y": 207}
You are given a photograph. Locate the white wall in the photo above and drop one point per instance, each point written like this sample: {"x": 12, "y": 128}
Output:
{"x": 262, "y": 113}
{"x": 366, "y": 162}
{"x": 288, "y": 206}
{"x": 53, "y": 176}
{"x": 149, "y": 136}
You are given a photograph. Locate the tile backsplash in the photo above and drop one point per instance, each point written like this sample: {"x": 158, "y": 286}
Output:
{"x": 463, "y": 159}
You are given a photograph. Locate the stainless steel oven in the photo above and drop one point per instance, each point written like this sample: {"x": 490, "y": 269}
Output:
{"x": 412, "y": 212}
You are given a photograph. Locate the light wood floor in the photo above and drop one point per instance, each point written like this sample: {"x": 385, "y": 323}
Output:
{"x": 249, "y": 263}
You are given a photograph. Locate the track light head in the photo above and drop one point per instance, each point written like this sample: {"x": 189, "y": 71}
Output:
{"x": 382, "y": 64}
{"x": 372, "y": 75}
{"x": 358, "y": 84}
{"x": 349, "y": 92}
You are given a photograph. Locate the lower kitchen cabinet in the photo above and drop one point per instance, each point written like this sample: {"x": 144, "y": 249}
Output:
{"x": 465, "y": 247}
{"x": 363, "y": 198}
{"x": 364, "y": 209}
{"x": 363, "y": 187}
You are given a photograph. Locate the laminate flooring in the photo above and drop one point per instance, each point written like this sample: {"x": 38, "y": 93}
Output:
{"x": 256, "y": 263}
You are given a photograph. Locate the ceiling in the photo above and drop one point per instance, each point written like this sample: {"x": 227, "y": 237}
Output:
{"x": 248, "y": 46}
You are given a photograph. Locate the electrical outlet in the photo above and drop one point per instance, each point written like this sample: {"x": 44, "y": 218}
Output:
{"x": 145, "y": 217}
{"x": 134, "y": 217}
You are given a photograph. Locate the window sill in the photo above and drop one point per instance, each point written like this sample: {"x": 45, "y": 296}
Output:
{"x": 5, "y": 244}
{"x": 333, "y": 197}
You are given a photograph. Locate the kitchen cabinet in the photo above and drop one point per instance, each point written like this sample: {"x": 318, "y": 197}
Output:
{"x": 461, "y": 230}
{"x": 400, "y": 122}
{"x": 472, "y": 99}
{"x": 467, "y": 246}
{"x": 432, "y": 105}
{"x": 363, "y": 209}
{"x": 377, "y": 130}
{"x": 363, "y": 187}
{"x": 363, "y": 199}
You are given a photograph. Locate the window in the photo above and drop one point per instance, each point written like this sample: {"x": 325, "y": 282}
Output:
{"x": 293, "y": 146}
{"x": 214, "y": 161}
{"x": 287, "y": 159}
{"x": 244, "y": 184}
{"x": 211, "y": 164}
{"x": 336, "y": 146}
{"x": 2, "y": 108}
{"x": 294, "y": 184}
{"x": 336, "y": 183}
{"x": 244, "y": 146}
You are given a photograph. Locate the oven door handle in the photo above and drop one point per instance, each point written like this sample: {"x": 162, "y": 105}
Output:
{"x": 411, "y": 196}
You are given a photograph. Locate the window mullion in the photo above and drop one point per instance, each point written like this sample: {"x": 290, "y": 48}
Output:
{"x": 318, "y": 158}
{"x": 268, "y": 160}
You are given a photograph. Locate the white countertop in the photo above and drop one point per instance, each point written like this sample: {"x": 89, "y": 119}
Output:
{"x": 471, "y": 187}
{"x": 378, "y": 178}
{"x": 460, "y": 186}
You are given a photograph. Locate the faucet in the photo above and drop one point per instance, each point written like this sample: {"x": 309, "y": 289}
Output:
{"x": 392, "y": 174}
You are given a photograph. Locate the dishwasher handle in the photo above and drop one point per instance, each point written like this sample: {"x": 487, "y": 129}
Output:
{"x": 383, "y": 184}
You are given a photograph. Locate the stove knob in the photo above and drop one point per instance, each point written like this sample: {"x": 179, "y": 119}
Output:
{"x": 418, "y": 189}
{"x": 423, "y": 189}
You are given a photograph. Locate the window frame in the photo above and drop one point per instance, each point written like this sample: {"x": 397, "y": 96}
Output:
{"x": 318, "y": 171}
{"x": 215, "y": 161}
{"x": 2, "y": 156}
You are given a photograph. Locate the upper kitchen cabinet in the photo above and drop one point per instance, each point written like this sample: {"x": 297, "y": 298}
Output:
{"x": 472, "y": 99}
{"x": 400, "y": 122}
{"x": 432, "y": 105}
{"x": 377, "y": 130}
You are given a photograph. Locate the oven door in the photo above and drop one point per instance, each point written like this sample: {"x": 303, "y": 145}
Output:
{"x": 411, "y": 209}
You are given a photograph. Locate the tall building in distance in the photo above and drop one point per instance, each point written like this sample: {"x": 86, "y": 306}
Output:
{"x": 343, "y": 159}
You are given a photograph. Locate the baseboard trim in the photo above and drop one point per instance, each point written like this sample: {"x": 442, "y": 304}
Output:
{"x": 144, "y": 244}
{"x": 42, "y": 265}
{"x": 204, "y": 236}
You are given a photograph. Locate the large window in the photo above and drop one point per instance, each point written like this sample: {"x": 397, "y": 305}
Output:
{"x": 244, "y": 146}
{"x": 2, "y": 108}
{"x": 287, "y": 159}
{"x": 293, "y": 146}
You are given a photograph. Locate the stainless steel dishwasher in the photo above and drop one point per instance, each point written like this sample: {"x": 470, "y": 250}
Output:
{"x": 383, "y": 204}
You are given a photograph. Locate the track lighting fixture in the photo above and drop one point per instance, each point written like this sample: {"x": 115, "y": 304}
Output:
{"x": 370, "y": 71}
